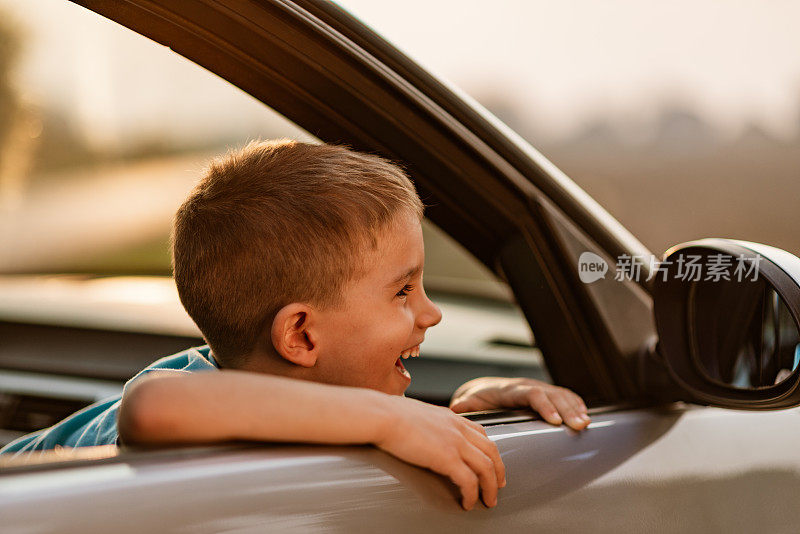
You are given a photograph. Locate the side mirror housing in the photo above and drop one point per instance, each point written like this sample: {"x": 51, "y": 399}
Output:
{"x": 728, "y": 319}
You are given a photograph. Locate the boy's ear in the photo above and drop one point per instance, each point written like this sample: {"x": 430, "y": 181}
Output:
{"x": 291, "y": 337}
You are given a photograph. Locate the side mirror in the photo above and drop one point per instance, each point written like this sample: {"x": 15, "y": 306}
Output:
{"x": 728, "y": 319}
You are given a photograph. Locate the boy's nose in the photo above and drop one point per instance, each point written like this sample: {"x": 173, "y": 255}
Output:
{"x": 430, "y": 316}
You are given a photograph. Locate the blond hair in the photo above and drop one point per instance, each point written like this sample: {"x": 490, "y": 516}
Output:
{"x": 275, "y": 223}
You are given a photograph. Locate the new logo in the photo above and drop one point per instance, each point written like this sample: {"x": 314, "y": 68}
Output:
{"x": 591, "y": 267}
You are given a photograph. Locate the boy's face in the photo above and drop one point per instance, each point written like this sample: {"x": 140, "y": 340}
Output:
{"x": 383, "y": 314}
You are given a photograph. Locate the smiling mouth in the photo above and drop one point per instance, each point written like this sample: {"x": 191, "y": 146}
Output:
{"x": 401, "y": 368}
{"x": 413, "y": 352}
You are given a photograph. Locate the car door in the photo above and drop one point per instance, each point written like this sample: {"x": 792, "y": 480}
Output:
{"x": 647, "y": 461}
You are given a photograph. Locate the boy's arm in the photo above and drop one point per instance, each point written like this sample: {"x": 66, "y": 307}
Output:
{"x": 238, "y": 405}
{"x": 555, "y": 404}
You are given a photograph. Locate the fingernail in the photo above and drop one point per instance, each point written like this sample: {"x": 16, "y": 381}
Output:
{"x": 556, "y": 419}
{"x": 503, "y": 483}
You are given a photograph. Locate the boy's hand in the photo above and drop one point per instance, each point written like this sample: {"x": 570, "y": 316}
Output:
{"x": 555, "y": 404}
{"x": 436, "y": 438}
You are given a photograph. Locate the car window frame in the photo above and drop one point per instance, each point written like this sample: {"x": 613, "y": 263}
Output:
{"x": 323, "y": 70}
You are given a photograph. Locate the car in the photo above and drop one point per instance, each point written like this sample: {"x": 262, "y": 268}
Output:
{"x": 677, "y": 389}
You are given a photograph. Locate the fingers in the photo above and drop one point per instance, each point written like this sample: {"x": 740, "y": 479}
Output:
{"x": 578, "y": 401}
{"x": 435, "y": 438}
{"x": 540, "y": 402}
{"x": 580, "y": 406}
{"x": 476, "y": 466}
{"x": 568, "y": 411}
{"x": 556, "y": 405}
{"x": 483, "y": 467}
{"x": 489, "y": 449}
{"x": 467, "y": 481}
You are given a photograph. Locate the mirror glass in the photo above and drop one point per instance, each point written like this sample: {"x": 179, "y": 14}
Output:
{"x": 742, "y": 333}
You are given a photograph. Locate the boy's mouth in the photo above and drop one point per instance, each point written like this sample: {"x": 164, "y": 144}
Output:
{"x": 401, "y": 368}
{"x": 413, "y": 352}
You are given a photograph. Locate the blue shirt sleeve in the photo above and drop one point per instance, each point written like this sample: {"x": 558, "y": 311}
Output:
{"x": 97, "y": 424}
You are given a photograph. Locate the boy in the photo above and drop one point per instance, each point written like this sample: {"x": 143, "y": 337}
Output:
{"x": 302, "y": 266}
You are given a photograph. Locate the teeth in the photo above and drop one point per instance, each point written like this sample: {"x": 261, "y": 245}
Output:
{"x": 413, "y": 352}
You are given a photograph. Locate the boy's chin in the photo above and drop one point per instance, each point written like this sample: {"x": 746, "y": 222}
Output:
{"x": 402, "y": 393}
{"x": 395, "y": 389}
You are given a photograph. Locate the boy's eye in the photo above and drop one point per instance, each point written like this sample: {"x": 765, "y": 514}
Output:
{"x": 405, "y": 291}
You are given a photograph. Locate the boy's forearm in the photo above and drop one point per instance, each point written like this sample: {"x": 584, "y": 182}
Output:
{"x": 234, "y": 405}
{"x": 227, "y": 405}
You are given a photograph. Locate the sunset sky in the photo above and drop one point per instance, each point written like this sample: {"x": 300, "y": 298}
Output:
{"x": 560, "y": 64}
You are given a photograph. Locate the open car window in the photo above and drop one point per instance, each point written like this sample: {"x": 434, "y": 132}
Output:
{"x": 103, "y": 134}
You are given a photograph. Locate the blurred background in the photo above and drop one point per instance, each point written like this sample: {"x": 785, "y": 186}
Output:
{"x": 681, "y": 118}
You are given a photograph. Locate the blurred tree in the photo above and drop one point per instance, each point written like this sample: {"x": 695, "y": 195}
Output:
{"x": 60, "y": 146}
{"x": 9, "y": 52}
{"x": 15, "y": 123}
